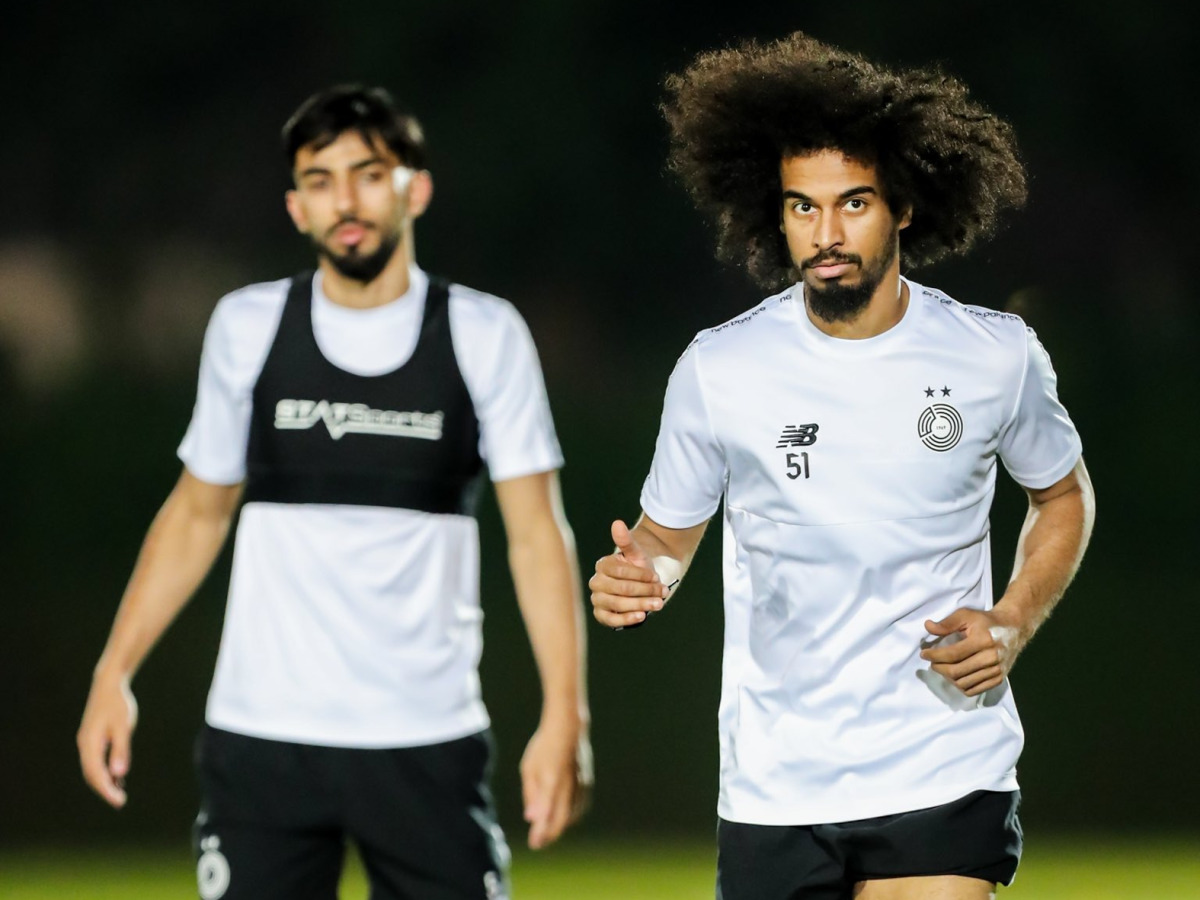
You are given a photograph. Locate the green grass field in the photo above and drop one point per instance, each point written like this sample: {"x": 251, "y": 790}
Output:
{"x": 1100, "y": 869}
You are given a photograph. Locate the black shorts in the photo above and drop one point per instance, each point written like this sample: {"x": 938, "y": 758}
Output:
{"x": 275, "y": 818}
{"x": 976, "y": 836}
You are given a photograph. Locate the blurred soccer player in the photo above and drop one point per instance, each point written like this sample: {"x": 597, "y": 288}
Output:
{"x": 352, "y": 411}
{"x": 852, "y": 423}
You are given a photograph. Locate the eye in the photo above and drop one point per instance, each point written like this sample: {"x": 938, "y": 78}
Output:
{"x": 856, "y": 204}
{"x": 802, "y": 207}
{"x": 316, "y": 184}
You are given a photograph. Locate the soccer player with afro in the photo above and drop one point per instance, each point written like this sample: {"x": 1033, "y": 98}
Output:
{"x": 849, "y": 427}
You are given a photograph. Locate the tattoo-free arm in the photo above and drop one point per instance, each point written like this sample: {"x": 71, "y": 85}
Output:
{"x": 178, "y": 550}
{"x": 556, "y": 766}
{"x": 1051, "y": 546}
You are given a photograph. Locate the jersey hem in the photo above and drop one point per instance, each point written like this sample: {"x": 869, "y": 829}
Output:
{"x": 669, "y": 519}
{"x": 1055, "y": 473}
{"x": 223, "y": 479}
{"x": 317, "y": 737}
{"x": 550, "y": 465}
{"x": 850, "y": 811}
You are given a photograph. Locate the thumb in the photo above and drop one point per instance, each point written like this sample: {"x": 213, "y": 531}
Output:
{"x": 118, "y": 768}
{"x": 948, "y": 625}
{"x": 532, "y": 796}
{"x": 118, "y": 754}
{"x": 626, "y": 545}
{"x": 537, "y": 809}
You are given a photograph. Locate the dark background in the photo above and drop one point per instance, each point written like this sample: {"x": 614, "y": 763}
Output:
{"x": 142, "y": 180}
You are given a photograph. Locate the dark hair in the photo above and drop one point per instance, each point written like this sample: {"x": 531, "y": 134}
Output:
{"x": 327, "y": 114}
{"x": 734, "y": 114}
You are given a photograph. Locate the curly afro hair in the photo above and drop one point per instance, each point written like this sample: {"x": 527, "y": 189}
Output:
{"x": 734, "y": 114}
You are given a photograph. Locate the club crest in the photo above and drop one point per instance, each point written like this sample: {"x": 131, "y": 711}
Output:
{"x": 940, "y": 427}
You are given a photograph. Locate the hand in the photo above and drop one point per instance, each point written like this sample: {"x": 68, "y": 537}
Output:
{"x": 984, "y": 655}
{"x": 556, "y": 781}
{"x": 625, "y": 587}
{"x": 105, "y": 735}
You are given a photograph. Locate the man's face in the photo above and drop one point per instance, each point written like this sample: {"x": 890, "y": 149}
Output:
{"x": 840, "y": 232}
{"x": 347, "y": 201}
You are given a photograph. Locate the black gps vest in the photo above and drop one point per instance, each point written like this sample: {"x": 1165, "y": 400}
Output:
{"x": 318, "y": 434}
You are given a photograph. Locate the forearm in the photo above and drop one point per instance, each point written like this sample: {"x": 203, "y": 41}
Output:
{"x": 176, "y": 555}
{"x": 555, "y": 767}
{"x": 1049, "y": 551}
{"x": 546, "y": 578}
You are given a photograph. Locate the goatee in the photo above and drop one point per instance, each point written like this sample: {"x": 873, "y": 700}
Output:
{"x": 839, "y": 302}
{"x": 834, "y": 302}
{"x": 359, "y": 267}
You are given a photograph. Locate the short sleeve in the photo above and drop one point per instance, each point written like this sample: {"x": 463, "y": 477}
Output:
{"x": 1039, "y": 445}
{"x": 687, "y": 475}
{"x": 236, "y": 342}
{"x": 500, "y": 366}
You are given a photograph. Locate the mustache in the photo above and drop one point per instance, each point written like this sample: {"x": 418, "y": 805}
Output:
{"x": 831, "y": 257}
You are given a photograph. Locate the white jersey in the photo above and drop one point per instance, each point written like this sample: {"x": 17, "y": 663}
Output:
{"x": 352, "y": 625}
{"x": 857, "y": 477}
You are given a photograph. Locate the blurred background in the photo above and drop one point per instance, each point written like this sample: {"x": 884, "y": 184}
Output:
{"x": 144, "y": 180}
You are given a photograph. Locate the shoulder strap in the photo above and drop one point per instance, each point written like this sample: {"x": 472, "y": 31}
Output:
{"x": 300, "y": 289}
{"x": 296, "y": 316}
{"x": 437, "y": 303}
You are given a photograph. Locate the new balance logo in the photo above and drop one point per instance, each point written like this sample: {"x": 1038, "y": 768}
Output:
{"x": 798, "y": 435}
{"x": 357, "y": 418}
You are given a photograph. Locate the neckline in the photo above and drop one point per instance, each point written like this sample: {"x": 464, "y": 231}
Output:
{"x": 418, "y": 286}
{"x": 859, "y": 345}
{"x": 418, "y": 289}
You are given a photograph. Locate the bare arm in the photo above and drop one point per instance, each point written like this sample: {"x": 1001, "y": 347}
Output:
{"x": 556, "y": 766}
{"x": 645, "y": 569}
{"x": 179, "y": 549}
{"x": 1051, "y": 546}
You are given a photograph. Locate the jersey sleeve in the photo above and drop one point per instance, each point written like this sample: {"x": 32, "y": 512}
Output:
{"x": 235, "y": 346}
{"x": 1039, "y": 445}
{"x": 500, "y": 366}
{"x": 687, "y": 475}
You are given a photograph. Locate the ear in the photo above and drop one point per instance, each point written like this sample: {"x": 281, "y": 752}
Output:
{"x": 905, "y": 218}
{"x": 420, "y": 193}
{"x": 296, "y": 211}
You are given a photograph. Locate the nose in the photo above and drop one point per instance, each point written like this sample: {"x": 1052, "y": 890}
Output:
{"x": 828, "y": 233}
{"x": 345, "y": 196}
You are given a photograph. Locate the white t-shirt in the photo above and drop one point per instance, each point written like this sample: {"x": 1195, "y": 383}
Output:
{"x": 353, "y": 625}
{"x": 857, "y": 476}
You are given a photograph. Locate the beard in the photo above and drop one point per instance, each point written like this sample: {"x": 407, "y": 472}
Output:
{"x": 361, "y": 267}
{"x": 832, "y": 301}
